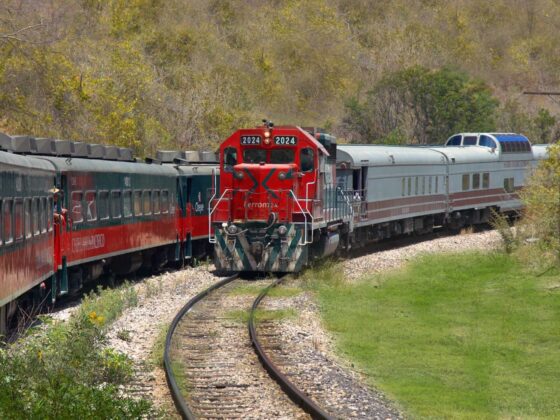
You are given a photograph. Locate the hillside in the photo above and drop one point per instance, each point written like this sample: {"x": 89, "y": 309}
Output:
{"x": 172, "y": 74}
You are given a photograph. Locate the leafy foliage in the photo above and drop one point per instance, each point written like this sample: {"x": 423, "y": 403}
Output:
{"x": 151, "y": 74}
{"x": 65, "y": 371}
{"x": 422, "y": 106}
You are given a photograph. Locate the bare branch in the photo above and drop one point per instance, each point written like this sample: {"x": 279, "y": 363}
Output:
{"x": 14, "y": 36}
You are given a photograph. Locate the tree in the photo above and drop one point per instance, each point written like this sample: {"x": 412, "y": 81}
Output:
{"x": 427, "y": 105}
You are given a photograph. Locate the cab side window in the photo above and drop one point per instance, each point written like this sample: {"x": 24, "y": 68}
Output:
{"x": 307, "y": 161}
{"x": 230, "y": 158}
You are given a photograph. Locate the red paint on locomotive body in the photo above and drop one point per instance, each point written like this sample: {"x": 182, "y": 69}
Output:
{"x": 268, "y": 170}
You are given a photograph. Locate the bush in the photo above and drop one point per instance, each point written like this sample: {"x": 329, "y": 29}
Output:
{"x": 65, "y": 370}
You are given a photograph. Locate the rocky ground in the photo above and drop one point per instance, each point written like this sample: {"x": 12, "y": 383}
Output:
{"x": 392, "y": 258}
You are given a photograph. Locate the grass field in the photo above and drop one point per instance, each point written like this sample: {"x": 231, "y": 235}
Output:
{"x": 458, "y": 336}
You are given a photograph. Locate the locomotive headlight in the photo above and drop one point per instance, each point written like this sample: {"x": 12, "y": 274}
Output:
{"x": 267, "y": 134}
{"x": 232, "y": 229}
{"x": 282, "y": 176}
{"x": 282, "y": 230}
{"x": 238, "y": 175}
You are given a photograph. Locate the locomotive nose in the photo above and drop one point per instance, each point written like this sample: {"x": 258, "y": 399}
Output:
{"x": 262, "y": 189}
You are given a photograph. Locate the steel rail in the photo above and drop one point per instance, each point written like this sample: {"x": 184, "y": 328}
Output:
{"x": 296, "y": 395}
{"x": 180, "y": 403}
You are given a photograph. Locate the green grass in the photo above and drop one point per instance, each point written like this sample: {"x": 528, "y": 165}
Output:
{"x": 456, "y": 336}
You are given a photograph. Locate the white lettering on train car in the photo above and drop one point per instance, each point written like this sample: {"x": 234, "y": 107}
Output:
{"x": 87, "y": 243}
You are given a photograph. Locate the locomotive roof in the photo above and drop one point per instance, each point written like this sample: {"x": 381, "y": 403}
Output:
{"x": 94, "y": 165}
{"x": 381, "y": 155}
{"x": 24, "y": 161}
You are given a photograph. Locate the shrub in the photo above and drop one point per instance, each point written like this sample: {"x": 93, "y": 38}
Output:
{"x": 65, "y": 370}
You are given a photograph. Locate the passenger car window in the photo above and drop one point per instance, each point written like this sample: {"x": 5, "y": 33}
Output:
{"x": 254, "y": 155}
{"x": 466, "y": 182}
{"x": 486, "y": 141}
{"x": 91, "y": 206}
{"x": 116, "y": 204}
{"x": 165, "y": 201}
{"x": 50, "y": 205}
{"x": 509, "y": 185}
{"x": 157, "y": 203}
{"x": 138, "y": 203}
{"x": 486, "y": 180}
{"x": 75, "y": 206}
{"x": 127, "y": 203}
{"x": 7, "y": 221}
{"x": 307, "y": 160}
{"x": 469, "y": 141}
{"x": 476, "y": 181}
{"x": 35, "y": 216}
{"x": 103, "y": 205}
{"x": 18, "y": 212}
{"x": 27, "y": 218}
{"x": 43, "y": 215}
{"x": 454, "y": 141}
{"x": 147, "y": 207}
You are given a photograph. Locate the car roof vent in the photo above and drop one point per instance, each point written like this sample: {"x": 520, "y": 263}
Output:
{"x": 207, "y": 156}
{"x": 125, "y": 154}
{"x": 42, "y": 146}
{"x": 190, "y": 156}
{"x": 111, "y": 153}
{"x": 62, "y": 148}
{"x": 79, "y": 149}
{"x": 96, "y": 151}
{"x": 167, "y": 156}
{"x": 5, "y": 142}
{"x": 21, "y": 144}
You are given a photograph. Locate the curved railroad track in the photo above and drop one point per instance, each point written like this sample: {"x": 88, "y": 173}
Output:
{"x": 213, "y": 370}
{"x": 297, "y": 395}
{"x": 211, "y": 367}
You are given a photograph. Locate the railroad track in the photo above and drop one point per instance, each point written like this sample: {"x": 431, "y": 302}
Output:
{"x": 211, "y": 367}
{"x": 222, "y": 376}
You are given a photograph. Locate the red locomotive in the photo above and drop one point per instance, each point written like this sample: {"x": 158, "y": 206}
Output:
{"x": 278, "y": 204}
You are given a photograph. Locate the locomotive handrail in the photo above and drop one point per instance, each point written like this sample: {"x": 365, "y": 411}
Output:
{"x": 305, "y": 241}
{"x": 212, "y": 238}
{"x": 307, "y": 189}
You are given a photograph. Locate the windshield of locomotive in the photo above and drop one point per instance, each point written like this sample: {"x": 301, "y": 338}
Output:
{"x": 273, "y": 156}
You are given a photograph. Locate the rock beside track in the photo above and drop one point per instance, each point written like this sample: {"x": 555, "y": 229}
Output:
{"x": 135, "y": 333}
{"x": 383, "y": 260}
